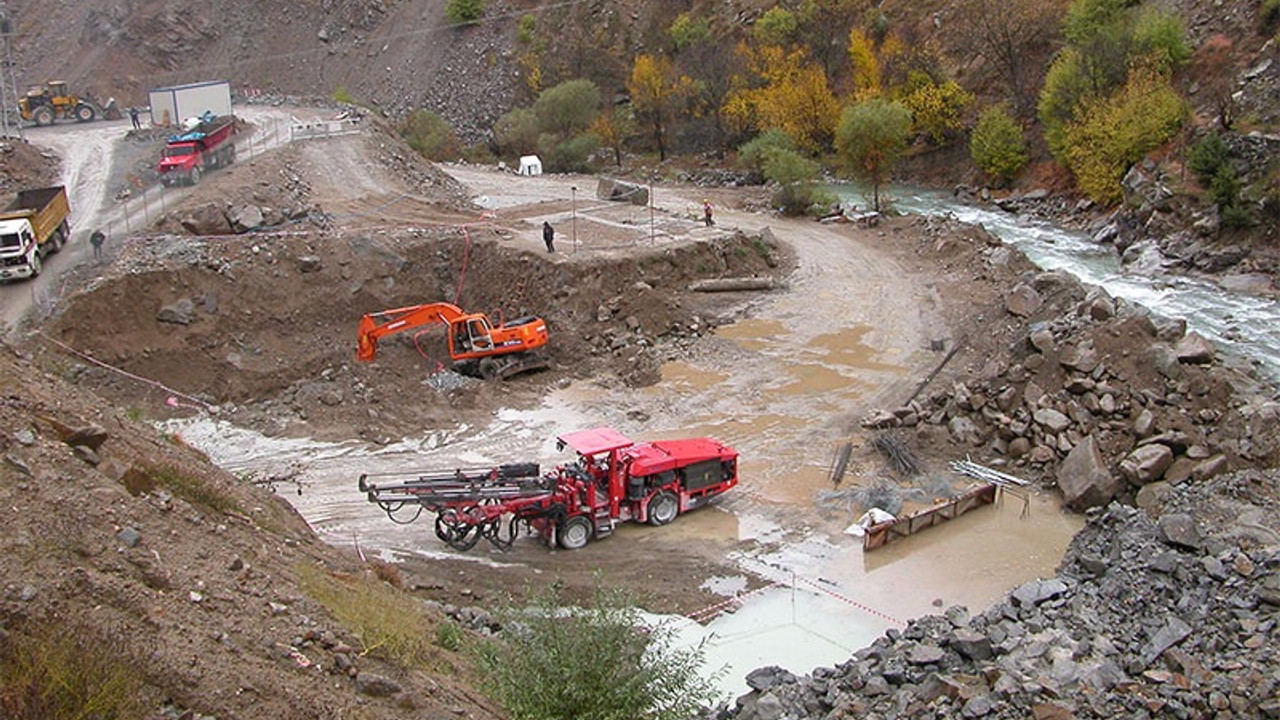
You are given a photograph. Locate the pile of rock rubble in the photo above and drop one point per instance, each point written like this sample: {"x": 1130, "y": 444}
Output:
{"x": 1096, "y": 395}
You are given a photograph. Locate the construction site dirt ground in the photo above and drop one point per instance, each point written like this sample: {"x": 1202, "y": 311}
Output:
{"x": 855, "y": 323}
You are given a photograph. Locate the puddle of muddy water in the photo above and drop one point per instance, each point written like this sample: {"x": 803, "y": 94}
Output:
{"x": 753, "y": 333}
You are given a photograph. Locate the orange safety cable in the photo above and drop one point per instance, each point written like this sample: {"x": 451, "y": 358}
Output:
{"x": 89, "y": 358}
{"x": 466, "y": 256}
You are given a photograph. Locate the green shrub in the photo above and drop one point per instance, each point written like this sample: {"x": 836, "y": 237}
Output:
{"x": 431, "y": 135}
{"x": 753, "y": 153}
{"x": 1207, "y": 157}
{"x": 870, "y": 139}
{"x": 1066, "y": 85}
{"x": 572, "y": 155}
{"x": 776, "y": 26}
{"x": 1269, "y": 13}
{"x": 997, "y": 144}
{"x": 69, "y": 673}
{"x": 1161, "y": 36}
{"x": 342, "y": 95}
{"x": 1114, "y": 133}
{"x": 555, "y": 662}
{"x": 796, "y": 178}
{"x": 450, "y": 635}
{"x": 1086, "y": 19}
{"x": 568, "y": 108}
{"x": 1235, "y": 216}
{"x": 464, "y": 12}
{"x": 516, "y": 132}
{"x": 1210, "y": 160}
{"x": 526, "y": 29}
{"x": 1225, "y": 187}
{"x": 687, "y": 30}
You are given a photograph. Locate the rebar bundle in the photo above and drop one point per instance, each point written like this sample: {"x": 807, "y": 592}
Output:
{"x": 902, "y": 459}
{"x": 982, "y": 472}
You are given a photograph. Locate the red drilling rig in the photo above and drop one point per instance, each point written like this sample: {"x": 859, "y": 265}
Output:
{"x": 612, "y": 480}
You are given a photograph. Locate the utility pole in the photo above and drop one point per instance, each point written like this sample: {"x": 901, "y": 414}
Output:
{"x": 8, "y": 79}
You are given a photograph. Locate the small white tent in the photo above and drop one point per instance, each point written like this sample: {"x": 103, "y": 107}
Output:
{"x": 530, "y": 165}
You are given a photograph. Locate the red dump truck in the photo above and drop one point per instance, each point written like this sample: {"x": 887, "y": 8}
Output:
{"x": 33, "y": 225}
{"x": 201, "y": 147}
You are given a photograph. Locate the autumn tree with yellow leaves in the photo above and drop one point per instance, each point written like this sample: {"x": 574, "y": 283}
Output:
{"x": 792, "y": 96}
{"x": 657, "y": 90}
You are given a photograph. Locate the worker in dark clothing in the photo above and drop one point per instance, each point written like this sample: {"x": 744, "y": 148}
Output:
{"x": 549, "y": 236}
{"x": 133, "y": 115}
{"x": 706, "y": 213}
{"x": 96, "y": 239}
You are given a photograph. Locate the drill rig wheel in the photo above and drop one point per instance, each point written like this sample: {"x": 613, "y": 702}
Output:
{"x": 575, "y": 533}
{"x": 456, "y": 532}
{"x": 663, "y": 508}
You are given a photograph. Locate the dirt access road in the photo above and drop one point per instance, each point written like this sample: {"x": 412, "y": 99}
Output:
{"x": 92, "y": 163}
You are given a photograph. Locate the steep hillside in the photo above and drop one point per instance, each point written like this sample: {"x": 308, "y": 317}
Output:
{"x": 138, "y": 576}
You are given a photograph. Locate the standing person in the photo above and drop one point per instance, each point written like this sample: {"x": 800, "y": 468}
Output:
{"x": 133, "y": 115}
{"x": 549, "y": 236}
{"x": 96, "y": 239}
{"x": 706, "y": 213}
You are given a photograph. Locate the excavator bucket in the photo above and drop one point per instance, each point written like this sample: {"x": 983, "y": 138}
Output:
{"x": 366, "y": 342}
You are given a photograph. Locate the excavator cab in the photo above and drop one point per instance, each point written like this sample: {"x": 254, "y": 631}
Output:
{"x": 479, "y": 332}
{"x": 470, "y": 334}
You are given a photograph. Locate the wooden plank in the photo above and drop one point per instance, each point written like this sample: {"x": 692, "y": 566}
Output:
{"x": 880, "y": 534}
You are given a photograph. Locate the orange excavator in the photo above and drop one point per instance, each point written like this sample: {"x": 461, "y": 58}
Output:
{"x": 477, "y": 347}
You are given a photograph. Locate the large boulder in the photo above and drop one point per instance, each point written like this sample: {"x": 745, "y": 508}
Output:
{"x": 206, "y": 219}
{"x": 1023, "y": 301}
{"x": 1085, "y": 479}
{"x": 1194, "y": 348}
{"x": 245, "y": 218}
{"x": 1147, "y": 463}
{"x": 621, "y": 191}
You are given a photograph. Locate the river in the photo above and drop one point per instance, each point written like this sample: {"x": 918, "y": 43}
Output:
{"x": 1243, "y": 325}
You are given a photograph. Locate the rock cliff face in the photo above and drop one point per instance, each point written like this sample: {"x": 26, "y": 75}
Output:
{"x": 1170, "y": 613}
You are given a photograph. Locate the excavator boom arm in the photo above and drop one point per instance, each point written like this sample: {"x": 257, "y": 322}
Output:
{"x": 387, "y": 322}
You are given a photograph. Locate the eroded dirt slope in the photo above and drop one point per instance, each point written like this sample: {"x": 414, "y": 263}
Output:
{"x": 123, "y": 539}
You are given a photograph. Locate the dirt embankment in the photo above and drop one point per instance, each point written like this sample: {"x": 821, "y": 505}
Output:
{"x": 128, "y": 558}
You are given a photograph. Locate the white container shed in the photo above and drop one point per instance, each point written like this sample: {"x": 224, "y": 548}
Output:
{"x": 530, "y": 165}
{"x": 172, "y": 105}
